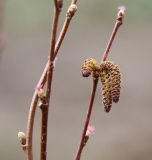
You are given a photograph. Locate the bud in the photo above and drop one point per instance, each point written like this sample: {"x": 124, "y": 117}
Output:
{"x": 71, "y": 10}
{"x": 22, "y": 138}
{"x": 90, "y": 131}
{"x": 40, "y": 91}
{"x": 121, "y": 12}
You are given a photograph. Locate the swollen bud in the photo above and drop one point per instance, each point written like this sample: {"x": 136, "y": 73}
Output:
{"x": 71, "y": 10}
{"x": 22, "y": 138}
{"x": 121, "y": 12}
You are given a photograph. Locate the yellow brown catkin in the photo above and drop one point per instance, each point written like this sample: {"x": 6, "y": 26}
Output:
{"x": 106, "y": 89}
{"x": 115, "y": 79}
{"x": 88, "y": 66}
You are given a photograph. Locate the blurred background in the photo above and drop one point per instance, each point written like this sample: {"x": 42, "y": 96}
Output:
{"x": 124, "y": 133}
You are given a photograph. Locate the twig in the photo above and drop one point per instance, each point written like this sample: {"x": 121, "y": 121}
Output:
{"x": 61, "y": 36}
{"x": 42, "y": 81}
{"x": 95, "y": 82}
{"x": 45, "y": 106}
{"x": 116, "y": 27}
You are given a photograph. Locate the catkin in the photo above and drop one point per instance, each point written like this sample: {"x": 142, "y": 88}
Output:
{"x": 88, "y": 66}
{"x": 115, "y": 79}
{"x": 106, "y": 90}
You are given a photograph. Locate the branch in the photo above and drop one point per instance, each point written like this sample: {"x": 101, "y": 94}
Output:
{"x": 42, "y": 81}
{"x": 45, "y": 106}
{"x": 95, "y": 82}
{"x": 113, "y": 34}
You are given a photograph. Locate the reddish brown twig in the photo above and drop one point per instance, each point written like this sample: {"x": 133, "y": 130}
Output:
{"x": 117, "y": 25}
{"x": 42, "y": 81}
{"x": 45, "y": 106}
{"x": 95, "y": 82}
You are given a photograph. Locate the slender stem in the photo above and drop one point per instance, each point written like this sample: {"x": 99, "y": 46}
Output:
{"x": 81, "y": 146}
{"x": 30, "y": 124}
{"x": 34, "y": 103}
{"x": 45, "y": 107}
{"x": 56, "y": 5}
{"x": 116, "y": 27}
{"x": 42, "y": 81}
{"x": 95, "y": 82}
{"x": 61, "y": 36}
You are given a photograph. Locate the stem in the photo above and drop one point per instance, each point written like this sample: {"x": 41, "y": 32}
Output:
{"x": 45, "y": 107}
{"x": 30, "y": 124}
{"x": 31, "y": 119}
{"x": 42, "y": 81}
{"x": 61, "y": 36}
{"x": 35, "y": 100}
{"x": 116, "y": 27}
{"x": 95, "y": 82}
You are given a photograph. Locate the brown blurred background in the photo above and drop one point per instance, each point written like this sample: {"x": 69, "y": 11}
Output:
{"x": 123, "y": 134}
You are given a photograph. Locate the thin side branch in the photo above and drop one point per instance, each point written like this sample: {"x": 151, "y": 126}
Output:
{"x": 95, "y": 82}
{"x": 116, "y": 27}
{"x": 42, "y": 81}
{"x": 61, "y": 36}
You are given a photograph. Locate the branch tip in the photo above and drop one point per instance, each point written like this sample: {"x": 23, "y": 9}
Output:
{"x": 71, "y": 10}
{"x": 121, "y": 13}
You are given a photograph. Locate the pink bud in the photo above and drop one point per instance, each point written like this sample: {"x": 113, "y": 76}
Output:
{"x": 121, "y": 9}
{"x": 90, "y": 130}
{"x": 39, "y": 87}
